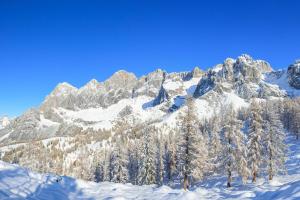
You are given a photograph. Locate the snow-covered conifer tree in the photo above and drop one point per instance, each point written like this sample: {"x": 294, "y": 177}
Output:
{"x": 170, "y": 157}
{"x": 147, "y": 168}
{"x": 274, "y": 137}
{"x": 193, "y": 155}
{"x": 160, "y": 159}
{"x": 234, "y": 147}
{"x": 98, "y": 173}
{"x": 134, "y": 150}
{"x": 106, "y": 164}
{"x": 295, "y": 118}
{"x": 255, "y": 139}
{"x": 119, "y": 163}
{"x": 215, "y": 142}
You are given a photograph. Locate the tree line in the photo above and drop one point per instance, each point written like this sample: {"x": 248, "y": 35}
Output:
{"x": 240, "y": 144}
{"x": 246, "y": 143}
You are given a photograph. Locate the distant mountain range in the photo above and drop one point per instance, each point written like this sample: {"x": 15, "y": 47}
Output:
{"x": 156, "y": 97}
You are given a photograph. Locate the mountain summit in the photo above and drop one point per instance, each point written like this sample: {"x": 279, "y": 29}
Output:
{"x": 157, "y": 97}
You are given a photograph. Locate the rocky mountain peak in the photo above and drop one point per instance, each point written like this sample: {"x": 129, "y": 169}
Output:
{"x": 294, "y": 74}
{"x": 122, "y": 74}
{"x": 121, "y": 79}
{"x": 197, "y": 72}
{"x": 244, "y": 58}
{"x": 63, "y": 89}
{"x": 161, "y": 97}
{"x": 154, "y": 78}
{"x": 260, "y": 65}
{"x": 229, "y": 61}
{"x": 243, "y": 76}
{"x": 92, "y": 85}
{"x": 62, "y": 95}
{"x": 158, "y": 74}
{"x": 122, "y": 94}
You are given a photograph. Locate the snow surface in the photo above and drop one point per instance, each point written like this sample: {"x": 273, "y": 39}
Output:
{"x": 20, "y": 183}
{"x": 46, "y": 122}
{"x": 282, "y": 83}
{"x": 172, "y": 85}
{"x": 102, "y": 118}
{"x": 205, "y": 108}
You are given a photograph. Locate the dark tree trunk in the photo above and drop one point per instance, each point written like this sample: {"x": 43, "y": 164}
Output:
{"x": 185, "y": 183}
{"x": 270, "y": 165}
{"x": 229, "y": 179}
{"x": 254, "y": 177}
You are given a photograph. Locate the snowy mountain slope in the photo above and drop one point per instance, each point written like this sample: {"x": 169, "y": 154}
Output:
{"x": 75, "y": 128}
{"x": 19, "y": 183}
{"x": 158, "y": 97}
{"x": 104, "y": 117}
{"x": 280, "y": 79}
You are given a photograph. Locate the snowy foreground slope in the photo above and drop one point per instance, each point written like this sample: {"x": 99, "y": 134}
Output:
{"x": 19, "y": 183}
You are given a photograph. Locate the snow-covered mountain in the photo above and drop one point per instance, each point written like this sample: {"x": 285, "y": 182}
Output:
{"x": 116, "y": 129}
{"x": 157, "y": 97}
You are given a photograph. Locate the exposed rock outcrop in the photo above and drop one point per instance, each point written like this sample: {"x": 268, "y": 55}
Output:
{"x": 243, "y": 76}
{"x": 294, "y": 74}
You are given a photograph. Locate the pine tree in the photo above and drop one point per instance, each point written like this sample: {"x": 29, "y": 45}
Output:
{"x": 119, "y": 163}
{"x": 241, "y": 153}
{"x": 235, "y": 148}
{"x": 295, "y": 118}
{"x": 215, "y": 142}
{"x": 98, "y": 168}
{"x": 147, "y": 171}
{"x": 160, "y": 159}
{"x": 98, "y": 173}
{"x": 275, "y": 147}
{"x": 106, "y": 165}
{"x": 192, "y": 149}
{"x": 255, "y": 140}
{"x": 170, "y": 157}
{"x": 134, "y": 149}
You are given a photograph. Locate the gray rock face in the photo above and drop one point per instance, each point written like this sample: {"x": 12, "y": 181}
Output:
{"x": 64, "y": 95}
{"x": 240, "y": 73}
{"x": 162, "y": 96}
{"x": 294, "y": 74}
{"x": 121, "y": 85}
{"x": 120, "y": 80}
{"x": 267, "y": 91}
{"x": 207, "y": 83}
{"x": 243, "y": 76}
{"x": 23, "y": 127}
{"x": 195, "y": 73}
{"x": 243, "y": 68}
{"x": 91, "y": 95}
{"x": 150, "y": 84}
{"x": 246, "y": 69}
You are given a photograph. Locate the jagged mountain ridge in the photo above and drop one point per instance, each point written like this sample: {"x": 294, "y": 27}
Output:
{"x": 156, "y": 97}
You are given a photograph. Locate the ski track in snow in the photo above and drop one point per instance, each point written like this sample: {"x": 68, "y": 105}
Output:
{"x": 20, "y": 183}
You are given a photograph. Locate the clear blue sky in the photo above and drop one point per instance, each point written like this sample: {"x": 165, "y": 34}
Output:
{"x": 46, "y": 42}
